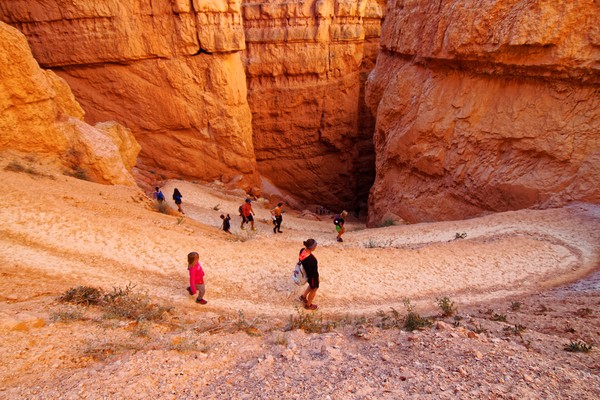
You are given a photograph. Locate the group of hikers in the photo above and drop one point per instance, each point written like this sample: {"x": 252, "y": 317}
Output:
{"x": 247, "y": 214}
{"x": 305, "y": 256}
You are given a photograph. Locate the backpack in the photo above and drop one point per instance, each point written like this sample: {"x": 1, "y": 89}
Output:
{"x": 336, "y": 219}
{"x": 240, "y": 210}
{"x": 160, "y": 196}
{"x": 299, "y": 275}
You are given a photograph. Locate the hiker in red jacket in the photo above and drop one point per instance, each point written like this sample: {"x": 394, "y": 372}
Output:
{"x": 247, "y": 213}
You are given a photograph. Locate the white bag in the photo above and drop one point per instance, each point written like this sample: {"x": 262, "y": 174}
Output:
{"x": 299, "y": 275}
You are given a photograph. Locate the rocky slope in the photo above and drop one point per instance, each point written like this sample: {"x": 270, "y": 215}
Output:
{"x": 485, "y": 106}
{"x": 40, "y": 118}
{"x": 253, "y": 340}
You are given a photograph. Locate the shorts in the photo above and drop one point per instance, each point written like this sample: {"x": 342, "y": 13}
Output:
{"x": 338, "y": 228}
{"x": 177, "y": 201}
{"x": 313, "y": 283}
{"x": 248, "y": 218}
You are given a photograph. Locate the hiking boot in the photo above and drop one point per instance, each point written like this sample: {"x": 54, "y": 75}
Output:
{"x": 201, "y": 301}
{"x": 312, "y": 307}
{"x": 253, "y": 229}
{"x": 339, "y": 240}
{"x": 242, "y": 228}
{"x": 279, "y": 231}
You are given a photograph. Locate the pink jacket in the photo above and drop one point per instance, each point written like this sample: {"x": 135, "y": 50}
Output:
{"x": 196, "y": 276}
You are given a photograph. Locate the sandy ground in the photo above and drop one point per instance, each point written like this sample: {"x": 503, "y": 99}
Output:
{"x": 58, "y": 232}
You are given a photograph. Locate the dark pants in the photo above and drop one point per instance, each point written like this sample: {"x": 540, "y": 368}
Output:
{"x": 277, "y": 223}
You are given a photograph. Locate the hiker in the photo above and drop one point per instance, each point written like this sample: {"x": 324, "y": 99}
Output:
{"x": 196, "y": 277}
{"x": 246, "y": 212}
{"x": 226, "y": 226}
{"x": 277, "y": 218}
{"x": 309, "y": 262}
{"x": 158, "y": 195}
{"x": 338, "y": 220}
{"x": 177, "y": 197}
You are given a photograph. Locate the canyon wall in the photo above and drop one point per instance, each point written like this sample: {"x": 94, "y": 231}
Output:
{"x": 485, "y": 106}
{"x": 306, "y": 64}
{"x": 40, "y": 119}
{"x": 170, "y": 70}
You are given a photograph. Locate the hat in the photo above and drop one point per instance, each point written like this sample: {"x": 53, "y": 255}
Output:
{"x": 248, "y": 201}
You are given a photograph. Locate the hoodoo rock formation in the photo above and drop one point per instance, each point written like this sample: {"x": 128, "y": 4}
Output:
{"x": 306, "y": 64}
{"x": 39, "y": 117}
{"x": 485, "y": 106}
{"x": 169, "y": 70}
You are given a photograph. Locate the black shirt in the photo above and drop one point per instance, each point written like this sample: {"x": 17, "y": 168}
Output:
{"x": 310, "y": 265}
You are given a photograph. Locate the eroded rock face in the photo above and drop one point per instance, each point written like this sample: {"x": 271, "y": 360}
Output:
{"x": 39, "y": 115}
{"x": 306, "y": 63}
{"x": 485, "y": 106}
{"x": 169, "y": 70}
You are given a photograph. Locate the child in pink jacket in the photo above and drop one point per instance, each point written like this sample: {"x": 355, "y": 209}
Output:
{"x": 196, "y": 277}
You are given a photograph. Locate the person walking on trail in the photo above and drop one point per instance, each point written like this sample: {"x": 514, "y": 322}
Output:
{"x": 338, "y": 220}
{"x": 158, "y": 195}
{"x": 277, "y": 218}
{"x": 196, "y": 277}
{"x": 226, "y": 224}
{"x": 177, "y": 197}
{"x": 247, "y": 212}
{"x": 310, "y": 264}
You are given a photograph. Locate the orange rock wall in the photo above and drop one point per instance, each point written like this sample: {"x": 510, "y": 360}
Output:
{"x": 306, "y": 63}
{"x": 485, "y": 106}
{"x": 41, "y": 120}
{"x": 170, "y": 70}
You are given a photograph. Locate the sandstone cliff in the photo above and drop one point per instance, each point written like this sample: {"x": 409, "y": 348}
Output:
{"x": 485, "y": 106}
{"x": 176, "y": 73}
{"x": 306, "y": 63}
{"x": 170, "y": 70}
{"x": 39, "y": 116}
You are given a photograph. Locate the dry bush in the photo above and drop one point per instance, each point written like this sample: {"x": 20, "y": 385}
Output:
{"x": 119, "y": 303}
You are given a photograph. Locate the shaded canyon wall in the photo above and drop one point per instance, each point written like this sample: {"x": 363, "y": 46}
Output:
{"x": 170, "y": 70}
{"x": 485, "y": 106}
{"x": 306, "y": 64}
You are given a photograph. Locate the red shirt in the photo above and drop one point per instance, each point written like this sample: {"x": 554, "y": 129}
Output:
{"x": 246, "y": 208}
{"x": 196, "y": 276}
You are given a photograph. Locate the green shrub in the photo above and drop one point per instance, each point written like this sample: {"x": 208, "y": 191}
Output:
{"x": 309, "y": 322}
{"x": 120, "y": 303}
{"x": 124, "y": 304}
{"x": 393, "y": 320}
{"x": 412, "y": 320}
{"x": 447, "y": 306}
{"x": 578, "y": 347}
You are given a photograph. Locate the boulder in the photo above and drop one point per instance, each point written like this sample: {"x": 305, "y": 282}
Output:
{"x": 39, "y": 115}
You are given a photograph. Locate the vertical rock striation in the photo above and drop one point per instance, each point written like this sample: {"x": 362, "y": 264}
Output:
{"x": 170, "y": 70}
{"x": 306, "y": 63}
{"x": 485, "y": 106}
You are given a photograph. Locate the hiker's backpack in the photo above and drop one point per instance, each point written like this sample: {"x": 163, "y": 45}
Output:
{"x": 240, "y": 210}
{"x": 299, "y": 275}
{"x": 336, "y": 219}
{"x": 160, "y": 196}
